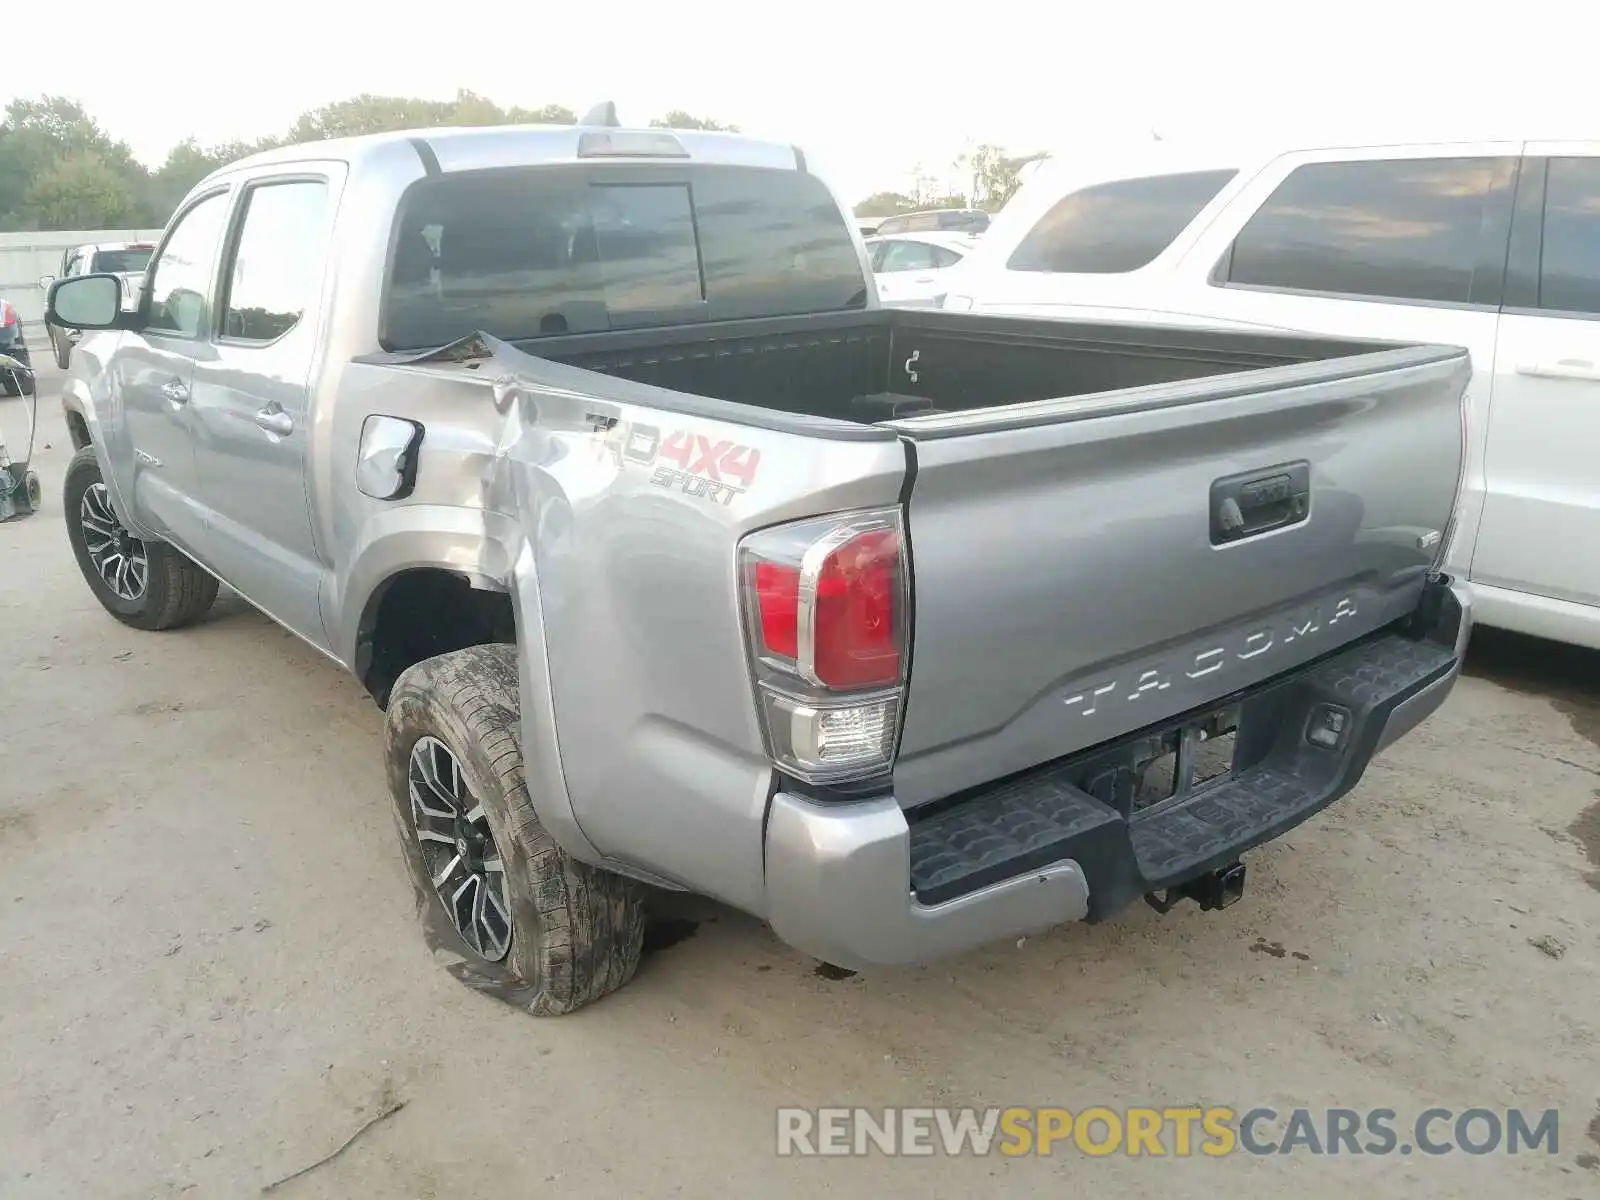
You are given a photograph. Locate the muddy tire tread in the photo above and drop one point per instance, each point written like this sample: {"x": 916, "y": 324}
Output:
{"x": 589, "y": 929}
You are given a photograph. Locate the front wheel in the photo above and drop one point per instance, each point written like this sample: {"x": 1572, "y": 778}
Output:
{"x": 144, "y": 584}
{"x": 509, "y": 911}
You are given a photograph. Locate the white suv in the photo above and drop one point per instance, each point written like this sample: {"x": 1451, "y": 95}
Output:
{"x": 1494, "y": 246}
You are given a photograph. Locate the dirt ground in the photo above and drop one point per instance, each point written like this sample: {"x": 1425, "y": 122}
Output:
{"x": 210, "y": 974}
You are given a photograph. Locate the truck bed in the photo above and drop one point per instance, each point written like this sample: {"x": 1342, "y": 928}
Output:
{"x": 893, "y": 363}
{"x": 1071, "y": 488}
{"x": 1110, "y": 528}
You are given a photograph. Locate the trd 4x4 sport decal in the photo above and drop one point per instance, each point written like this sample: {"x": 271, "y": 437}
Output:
{"x": 691, "y": 463}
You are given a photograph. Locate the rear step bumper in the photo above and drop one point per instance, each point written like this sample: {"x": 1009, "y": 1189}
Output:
{"x": 857, "y": 885}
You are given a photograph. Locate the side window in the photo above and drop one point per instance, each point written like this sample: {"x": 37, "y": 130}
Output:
{"x": 1569, "y": 267}
{"x": 944, "y": 258}
{"x": 277, "y": 261}
{"x": 1408, "y": 229}
{"x": 180, "y": 287}
{"x": 907, "y": 256}
{"x": 74, "y": 265}
{"x": 1118, "y": 226}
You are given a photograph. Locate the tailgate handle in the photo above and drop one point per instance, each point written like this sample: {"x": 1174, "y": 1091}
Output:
{"x": 1257, "y": 502}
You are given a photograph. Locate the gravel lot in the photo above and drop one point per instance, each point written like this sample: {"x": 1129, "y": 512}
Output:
{"x": 210, "y": 974}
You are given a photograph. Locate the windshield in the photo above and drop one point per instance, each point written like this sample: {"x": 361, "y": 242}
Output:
{"x": 120, "y": 262}
{"x": 540, "y": 251}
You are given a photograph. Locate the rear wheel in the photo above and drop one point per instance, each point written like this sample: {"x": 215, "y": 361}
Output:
{"x": 512, "y": 914}
{"x": 148, "y": 585}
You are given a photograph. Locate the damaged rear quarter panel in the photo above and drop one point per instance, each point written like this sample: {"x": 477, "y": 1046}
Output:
{"x": 613, "y": 517}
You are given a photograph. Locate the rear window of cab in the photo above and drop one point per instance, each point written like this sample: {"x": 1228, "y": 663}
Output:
{"x": 541, "y": 251}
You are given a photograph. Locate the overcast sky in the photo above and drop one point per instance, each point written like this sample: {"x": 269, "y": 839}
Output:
{"x": 869, "y": 89}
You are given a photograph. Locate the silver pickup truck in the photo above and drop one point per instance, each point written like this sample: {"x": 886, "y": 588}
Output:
{"x": 675, "y": 560}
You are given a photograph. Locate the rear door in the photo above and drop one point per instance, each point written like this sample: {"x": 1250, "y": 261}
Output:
{"x": 252, "y": 396}
{"x": 1072, "y": 581}
{"x": 1541, "y": 510}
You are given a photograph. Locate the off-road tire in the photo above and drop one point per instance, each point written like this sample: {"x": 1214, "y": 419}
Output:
{"x": 577, "y": 930}
{"x": 177, "y": 592}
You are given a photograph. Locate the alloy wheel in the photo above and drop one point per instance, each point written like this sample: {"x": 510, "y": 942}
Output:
{"x": 458, "y": 850}
{"x": 119, "y": 558}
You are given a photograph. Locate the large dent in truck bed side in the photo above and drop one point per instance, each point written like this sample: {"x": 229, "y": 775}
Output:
{"x": 639, "y": 721}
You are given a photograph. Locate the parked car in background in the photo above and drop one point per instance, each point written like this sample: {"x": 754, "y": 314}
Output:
{"x": 638, "y": 586}
{"x": 936, "y": 220}
{"x": 14, "y": 342}
{"x": 125, "y": 260}
{"x": 1494, "y": 246}
{"x": 912, "y": 269}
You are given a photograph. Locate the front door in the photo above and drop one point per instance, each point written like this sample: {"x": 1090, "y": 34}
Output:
{"x": 252, "y": 400}
{"x": 1540, "y": 532}
{"x": 152, "y": 372}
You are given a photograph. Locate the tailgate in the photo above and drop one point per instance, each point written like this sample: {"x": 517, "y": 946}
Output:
{"x": 1083, "y": 568}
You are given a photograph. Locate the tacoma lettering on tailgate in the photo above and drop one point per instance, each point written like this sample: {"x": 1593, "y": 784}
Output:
{"x": 691, "y": 463}
{"x": 1240, "y": 647}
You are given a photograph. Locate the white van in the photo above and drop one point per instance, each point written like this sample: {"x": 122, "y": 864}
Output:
{"x": 1494, "y": 246}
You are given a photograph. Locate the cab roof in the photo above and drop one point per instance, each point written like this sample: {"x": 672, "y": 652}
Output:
{"x": 481, "y": 147}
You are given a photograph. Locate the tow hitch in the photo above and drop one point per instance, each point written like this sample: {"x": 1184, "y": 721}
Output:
{"x": 1215, "y": 889}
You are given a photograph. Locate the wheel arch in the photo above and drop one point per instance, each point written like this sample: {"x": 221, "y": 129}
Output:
{"x": 77, "y": 429}
{"x": 401, "y": 545}
{"x": 486, "y": 557}
{"x": 422, "y": 611}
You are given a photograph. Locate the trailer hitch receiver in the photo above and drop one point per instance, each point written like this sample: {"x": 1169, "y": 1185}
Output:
{"x": 1216, "y": 889}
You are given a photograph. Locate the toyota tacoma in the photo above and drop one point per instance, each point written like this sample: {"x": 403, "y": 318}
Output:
{"x": 674, "y": 560}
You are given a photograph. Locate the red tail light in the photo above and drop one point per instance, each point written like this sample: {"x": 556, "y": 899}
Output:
{"x": 826, "y": 606}
{"x": 778, "y": 599}
{"x": 8, "y": 315}
{"x": 836, "y": 615}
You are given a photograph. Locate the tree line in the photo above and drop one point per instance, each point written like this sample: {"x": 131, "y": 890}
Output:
{"x": 987, "y": 177}
{"x": 60, "y": 170}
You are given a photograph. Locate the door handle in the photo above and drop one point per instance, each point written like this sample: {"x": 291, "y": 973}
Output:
{"x": 175, "y": 391}
{"x": 275, "y": 421}
{"x": 1256, "y": 502}
{"x": 1566, "y": 368}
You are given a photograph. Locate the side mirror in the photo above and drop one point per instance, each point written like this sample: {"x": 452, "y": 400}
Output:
{"x": 45, "y": 281}
{"x": 85, "y": 302}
